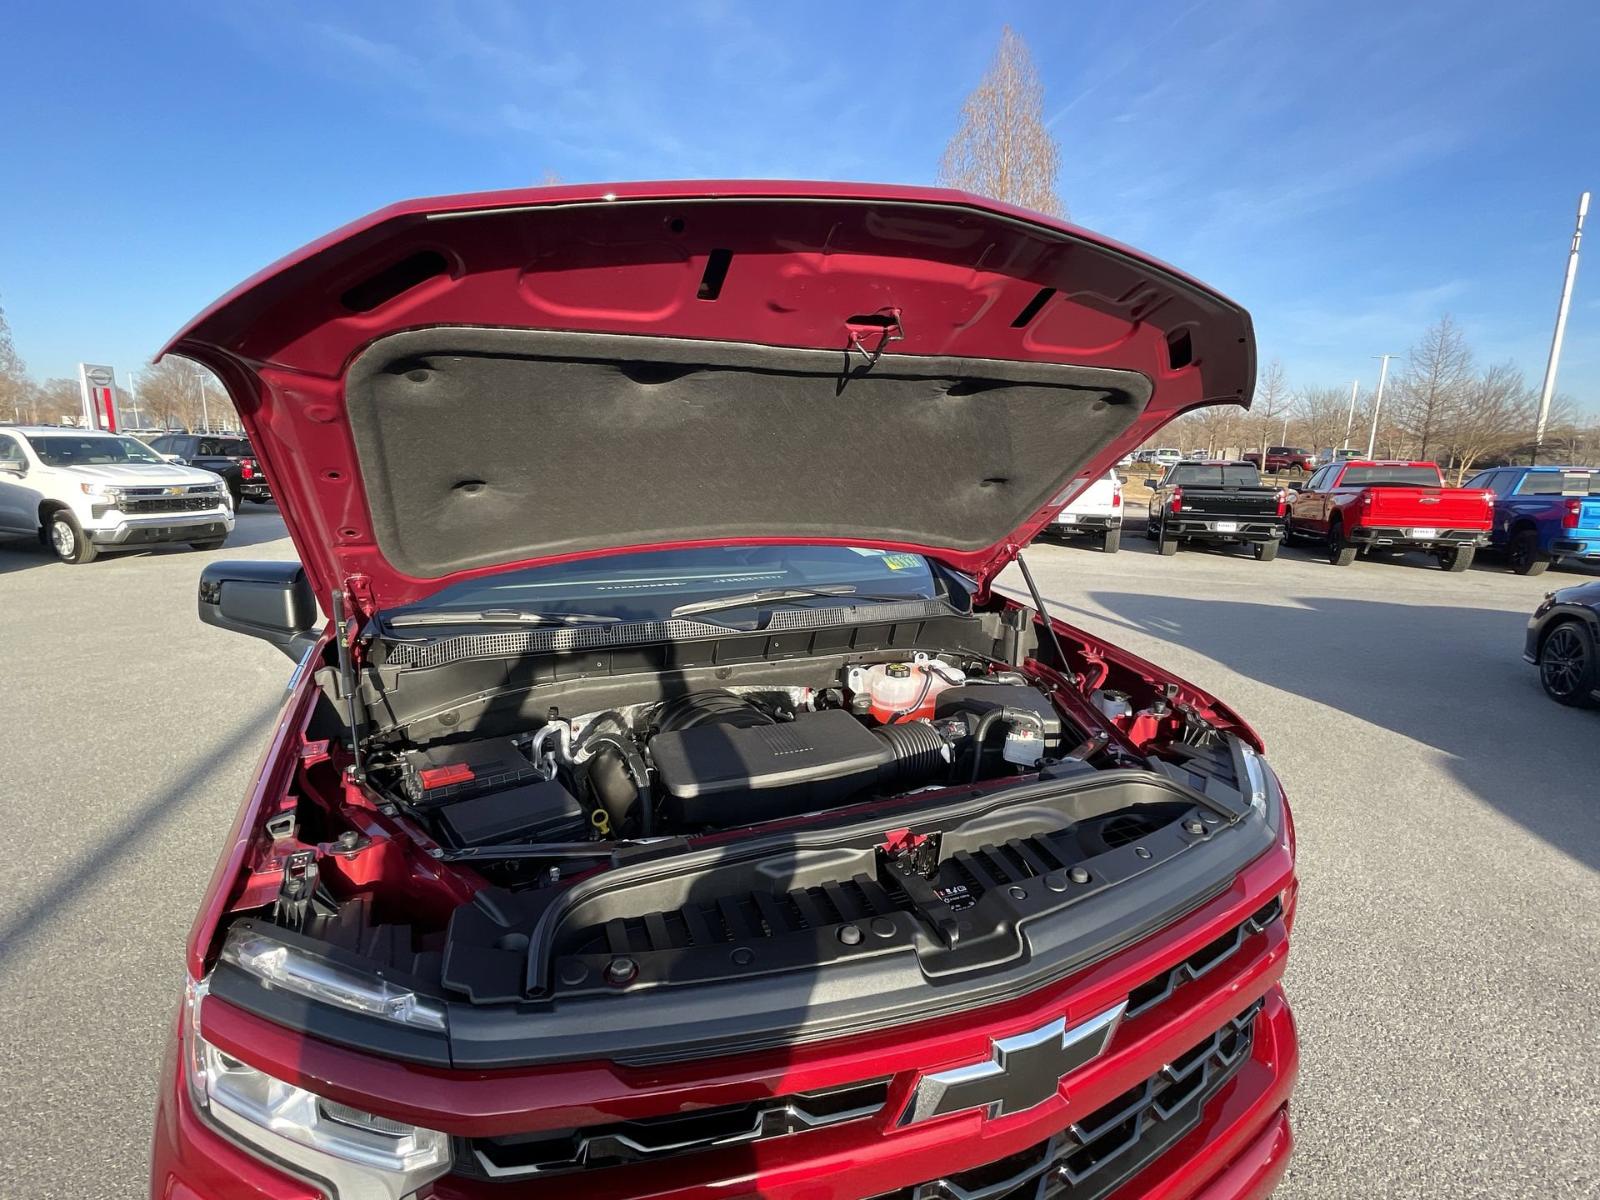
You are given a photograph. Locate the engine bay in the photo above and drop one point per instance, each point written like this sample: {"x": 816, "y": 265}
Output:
{"x": 515, "y": 829}
{"x": 731, "y": 757}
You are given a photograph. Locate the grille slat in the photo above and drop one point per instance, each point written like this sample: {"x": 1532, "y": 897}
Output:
{"x": 1203, "y": 961}
{"x": 557, "y": 1152}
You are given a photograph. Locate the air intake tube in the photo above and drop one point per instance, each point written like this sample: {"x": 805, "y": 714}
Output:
{"x": 921, "y": 754}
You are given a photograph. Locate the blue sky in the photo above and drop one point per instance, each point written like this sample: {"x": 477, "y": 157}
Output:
{"x": 1349, "y": 171}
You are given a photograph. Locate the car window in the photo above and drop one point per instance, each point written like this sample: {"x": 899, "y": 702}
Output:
{"x": 11, "y": 451}
{"x": 1560, "y": 483}
{"x": 1215, "y": 475}
{"x": 211, "y": 446}
{"x": 1398, "y": 475}
{"x": 79, "y": 450}
{"x": 1319, "y": 479}
{"x": 1483, "y": 479}
{"x": 236, "y": 448}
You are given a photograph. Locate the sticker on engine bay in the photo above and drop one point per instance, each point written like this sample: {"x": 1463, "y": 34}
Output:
{"x": 956, "y": 896}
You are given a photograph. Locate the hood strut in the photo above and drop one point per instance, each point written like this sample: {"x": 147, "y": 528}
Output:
{"x": 1049, "y": 622}
{"x": 344, "y": 631}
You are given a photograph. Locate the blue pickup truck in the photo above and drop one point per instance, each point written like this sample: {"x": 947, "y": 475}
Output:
{"x": 1544, "y": 514}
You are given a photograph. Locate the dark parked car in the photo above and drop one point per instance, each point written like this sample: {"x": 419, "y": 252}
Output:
{"x": 665, "y": 803}
{"x": 1223, "y": 503}
{"x": 230, "y": 457}
{"x": 1563, "y": 641}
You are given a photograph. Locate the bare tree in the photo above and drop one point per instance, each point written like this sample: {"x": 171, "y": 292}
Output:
{"x": 1271, "y": 405}
{"x": 1002, "y": 147}
{"x": 16, "y": 389}
{"x": 1430, "y": 393}
{"x": 1496, "y": 412}
{"x": 170, "y": 396}
{"x": 59, "y": 400}
{"x": 1320, "y": 416}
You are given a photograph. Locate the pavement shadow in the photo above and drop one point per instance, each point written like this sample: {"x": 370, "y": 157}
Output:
{"x": 22, "y": 553}
{"x": 1400, "y": 667}
{"x": 145, "y": 823}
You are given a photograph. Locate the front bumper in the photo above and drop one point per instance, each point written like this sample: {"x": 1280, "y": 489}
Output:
{"x": 1372, "y": 536}
{"x": 256, "y": 490}
{"x": 162, "y": 527}
{"x": 1237, "y": 1149}
{"x": 1234, "y": 1144}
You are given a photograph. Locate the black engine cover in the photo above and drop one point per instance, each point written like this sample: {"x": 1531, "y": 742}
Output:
{"x": 721, "y": 775}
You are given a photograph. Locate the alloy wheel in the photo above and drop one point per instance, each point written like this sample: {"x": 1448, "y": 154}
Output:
{"x": 63, "y": 539}
{"x": 1562, "y": 662}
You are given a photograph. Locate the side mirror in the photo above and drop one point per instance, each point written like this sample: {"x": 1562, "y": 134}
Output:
{"x": 172, "y": 458}
{"x": 13, "y": 468}
{"x": 1152, "y": 484}
{"x": 269, "y": 600}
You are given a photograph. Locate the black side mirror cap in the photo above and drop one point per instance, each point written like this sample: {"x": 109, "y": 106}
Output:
{"x": 269, "y": 600}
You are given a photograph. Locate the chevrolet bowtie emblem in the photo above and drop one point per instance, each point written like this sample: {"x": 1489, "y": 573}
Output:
{"x": 175, "y": 491}
{"x": 1022, "y": 1071}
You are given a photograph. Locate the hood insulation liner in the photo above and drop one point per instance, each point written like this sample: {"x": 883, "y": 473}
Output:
{"x": 484, "y": 446}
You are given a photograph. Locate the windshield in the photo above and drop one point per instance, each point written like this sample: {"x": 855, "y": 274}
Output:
{"x": 90, "y": 450}
{"x": 1560, "y": 483}
{"x": 648, "y": 585}
{"x": 1398, "y": 476}
{"x": 1215, "y": 475}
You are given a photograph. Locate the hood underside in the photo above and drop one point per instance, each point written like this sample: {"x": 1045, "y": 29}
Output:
{"x": 459, "y": 386}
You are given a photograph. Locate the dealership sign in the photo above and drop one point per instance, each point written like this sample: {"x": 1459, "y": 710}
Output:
{"x": 98, "y": 386}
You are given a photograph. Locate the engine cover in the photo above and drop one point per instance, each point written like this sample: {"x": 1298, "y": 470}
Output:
{"x": 721, "y": 775}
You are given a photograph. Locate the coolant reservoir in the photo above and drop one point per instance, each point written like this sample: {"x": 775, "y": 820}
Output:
{"x": 905, "y": 691}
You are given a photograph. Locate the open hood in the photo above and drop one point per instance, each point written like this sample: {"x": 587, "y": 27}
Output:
{"x": 456, "y": 386}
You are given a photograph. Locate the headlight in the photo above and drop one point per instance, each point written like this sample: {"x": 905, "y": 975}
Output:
{"x": 295, "y": 970}
{"x": 354, "y": 1154}
{"x": 103, "y": 492}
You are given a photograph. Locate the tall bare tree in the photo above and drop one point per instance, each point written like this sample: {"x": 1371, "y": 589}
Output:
{"x": 1431, "y": 391}
{"x": 1319, "y": 417}
{"x": 1271, "y": 405}
{"x": 1495, "y": 414}
{"x": 1002, "y": 147}
{"x": 16, "y": 389}
{"x": 170, "y": 396}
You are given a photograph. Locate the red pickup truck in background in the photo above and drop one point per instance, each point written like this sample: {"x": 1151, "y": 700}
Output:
{"x": 1362, "y": 506}
{"x": 1293, "y": 459}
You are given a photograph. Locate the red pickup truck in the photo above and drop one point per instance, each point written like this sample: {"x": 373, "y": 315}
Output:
{"x": 1292, "y": 459}
{"x": 1362, "y": 506}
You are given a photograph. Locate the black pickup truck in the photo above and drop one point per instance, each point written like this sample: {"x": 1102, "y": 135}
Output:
{"x": 230, "y": 457}
{"x": 1221, "y": 502}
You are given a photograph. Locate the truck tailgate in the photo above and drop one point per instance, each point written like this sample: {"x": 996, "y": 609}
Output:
{"x": 1231, "y": 501}
{"x": 1440, "y": 507}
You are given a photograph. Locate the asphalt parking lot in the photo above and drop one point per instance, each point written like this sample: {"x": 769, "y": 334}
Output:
{"x": 1446, "y": 970}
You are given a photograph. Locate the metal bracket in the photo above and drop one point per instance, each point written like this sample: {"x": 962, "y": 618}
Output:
{"x": 884, "y": 325}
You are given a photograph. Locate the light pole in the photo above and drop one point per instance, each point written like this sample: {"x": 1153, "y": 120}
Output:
{"x": 1377, "y": 403}
{"x": 1350, "y": 417}
{"x": 205, "y": 412}
{"x": 1554, "y": 361}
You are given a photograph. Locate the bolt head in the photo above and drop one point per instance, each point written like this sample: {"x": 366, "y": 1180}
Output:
{"x": 1079, "y": 874}
{"x": 621, "y": 971}
{"x": 850, "y": 935}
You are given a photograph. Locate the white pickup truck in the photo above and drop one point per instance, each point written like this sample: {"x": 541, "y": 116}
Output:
{"x": 1097, "y": 511}
{"x": 83, "y": 492}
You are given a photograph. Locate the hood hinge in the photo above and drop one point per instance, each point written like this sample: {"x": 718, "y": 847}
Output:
{"x": 358, "y": 598}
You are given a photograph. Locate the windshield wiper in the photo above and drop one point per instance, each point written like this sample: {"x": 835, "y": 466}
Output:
{"x": 500, "y": 616}
{"x": 780, "y": 596}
